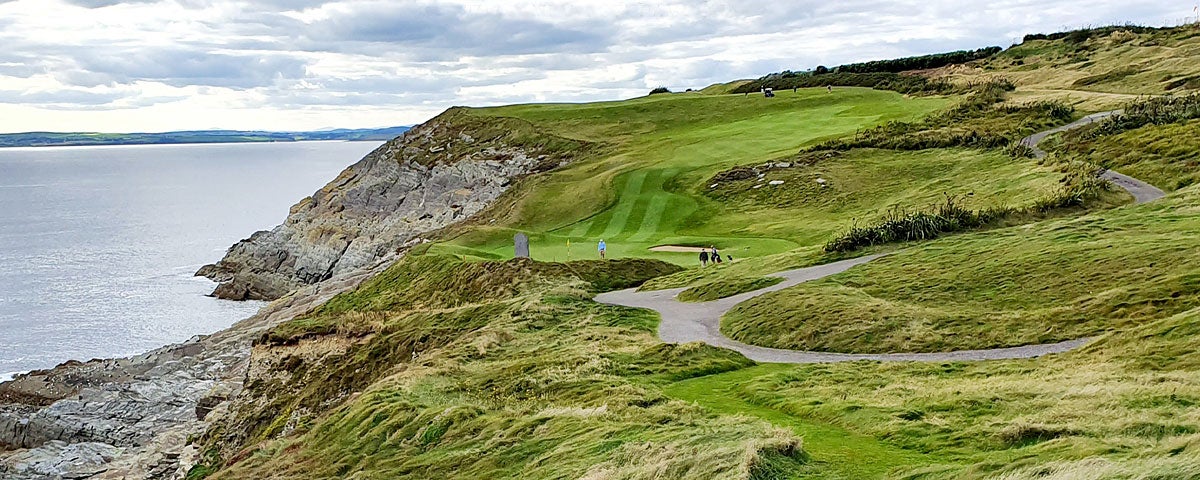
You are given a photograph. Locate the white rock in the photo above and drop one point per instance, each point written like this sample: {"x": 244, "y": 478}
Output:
{"x": 713, "y": 185}
{"x": 775, "y": 182}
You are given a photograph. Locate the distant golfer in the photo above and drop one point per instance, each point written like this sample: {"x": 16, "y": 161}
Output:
{"x": 715, "y": 255}
{"x": 830, "y": 87}
{"x": 602, "y": 247}
{"x": 703, "y": 257}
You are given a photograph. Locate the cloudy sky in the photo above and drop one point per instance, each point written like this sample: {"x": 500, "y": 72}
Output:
{"x": 154, "y": 65}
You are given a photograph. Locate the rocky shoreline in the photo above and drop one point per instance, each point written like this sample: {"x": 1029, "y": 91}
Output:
{"x": 137, "y": 417}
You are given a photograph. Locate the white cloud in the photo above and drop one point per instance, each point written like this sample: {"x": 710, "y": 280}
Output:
{"x": 146, "y": 65}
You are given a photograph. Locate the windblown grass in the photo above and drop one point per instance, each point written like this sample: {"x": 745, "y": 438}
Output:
{"x": 1045, "y": 282}
{"x": 535, "y": 381}
{"x": 725, "y": 288}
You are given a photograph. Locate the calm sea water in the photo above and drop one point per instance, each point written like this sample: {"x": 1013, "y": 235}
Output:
{"x": 98, "y": 244}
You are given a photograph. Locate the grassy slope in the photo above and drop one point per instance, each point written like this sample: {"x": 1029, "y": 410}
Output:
{"x": 1124, "y": 407}
{"x": 1167, "y": 156}
{"x": 534, "y": 381}
{"x": 1100, "y": 73}
{"x": 645, "y": 191}
{"x": 1052, "y": 281}
{"x": 516, "y": 375}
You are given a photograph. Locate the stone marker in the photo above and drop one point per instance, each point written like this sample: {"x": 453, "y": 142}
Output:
{"x": 521, "y": 241}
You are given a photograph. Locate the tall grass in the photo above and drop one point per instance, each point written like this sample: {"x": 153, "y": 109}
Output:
{"x": 1081, "y": 184}
{"x": 1149, "y": 111}
{"x": 902, "y": 225}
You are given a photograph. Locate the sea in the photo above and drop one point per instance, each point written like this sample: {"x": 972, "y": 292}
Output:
{"x": 98, "y": 245}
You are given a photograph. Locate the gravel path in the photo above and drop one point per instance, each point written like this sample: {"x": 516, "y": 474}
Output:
{"x": 1142, "y": 192}
{"x": 701, "y": 322}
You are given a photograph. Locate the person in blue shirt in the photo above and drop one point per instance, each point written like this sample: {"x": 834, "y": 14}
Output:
{"x": 602, "y": 247}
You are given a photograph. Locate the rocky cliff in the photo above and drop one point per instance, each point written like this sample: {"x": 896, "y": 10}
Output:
{"x": 434, "y": 175}
{"x": 135, "y": 417}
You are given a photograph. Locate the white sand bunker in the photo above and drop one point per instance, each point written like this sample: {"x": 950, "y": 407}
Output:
{"x": 677, "y": 249}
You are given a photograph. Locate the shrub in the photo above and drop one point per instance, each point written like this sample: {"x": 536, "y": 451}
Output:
{"x": 900, "y": 225}
{"x": 1081, "y": 184}
{"x": 922, "y": 62}
{"x": 907, "y": 84}
{"x": 1151, "y": 111}
{"x": 658, "y": 90}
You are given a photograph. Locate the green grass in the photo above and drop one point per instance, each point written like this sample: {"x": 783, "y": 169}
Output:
{"x": 536, "y": 381}
{"x": 646, "y": 189}
{"x": 836, "y": 453}
{"x": 1123, "y": 407}
{"x": 1040, "y": 283}
{"x": 1165, "y": 156}
{"x": 726, "y": 288}
{"x": 454, "y": 365}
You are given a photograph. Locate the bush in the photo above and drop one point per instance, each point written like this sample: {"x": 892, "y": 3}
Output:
{"x": 1152, "y": 111}
{"x": 658, "y": 90}
{"x": 1081, "y": 184}
{"x": 900, "y": 225}
{"x": 907, "y": 84}
{"x": 922, "y": 62}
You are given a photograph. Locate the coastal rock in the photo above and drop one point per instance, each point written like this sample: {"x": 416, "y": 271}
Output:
{"x": 60, "y": 460}
{"x": 432, "y": 176}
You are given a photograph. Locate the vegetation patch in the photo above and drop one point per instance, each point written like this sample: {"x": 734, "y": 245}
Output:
{"x": 907, "y": 84}
{"x": 409, "y": 382}
{"x": 1081, "y": 186}
{"x": 922, "y": 62}
{"x": 726, "y": 288}
{"x": 1046, "y": 282}
{"x": 979, "y": 121}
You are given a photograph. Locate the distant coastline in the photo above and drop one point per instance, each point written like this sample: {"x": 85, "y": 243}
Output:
{"x": 81, "y": 139}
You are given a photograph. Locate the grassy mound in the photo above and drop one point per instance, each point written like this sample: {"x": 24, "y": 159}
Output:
{"x": 725, "y": 288}
{"x": 1046, "y": 282}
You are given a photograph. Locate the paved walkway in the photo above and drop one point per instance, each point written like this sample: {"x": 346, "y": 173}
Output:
{"x": 1142, "y": 192}
{"x": 701, "y": 322}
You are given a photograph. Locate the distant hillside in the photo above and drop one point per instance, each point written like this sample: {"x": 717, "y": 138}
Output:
{"x": 46, "y": 139}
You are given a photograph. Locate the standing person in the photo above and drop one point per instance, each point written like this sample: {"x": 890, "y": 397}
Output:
{"x": 602, "y": 247}
{"x": 830, "y": 87}
{"x": 715, "y": 255}
{"x": 703, "y": 257}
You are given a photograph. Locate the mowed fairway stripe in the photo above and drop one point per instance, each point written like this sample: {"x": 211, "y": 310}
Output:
{"x": 653, "y": 215}
{"x": 625, "y": 203}
{"x": 580, "y": 229}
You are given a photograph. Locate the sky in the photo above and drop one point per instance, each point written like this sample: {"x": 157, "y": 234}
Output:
{"x": 157, "y": 65}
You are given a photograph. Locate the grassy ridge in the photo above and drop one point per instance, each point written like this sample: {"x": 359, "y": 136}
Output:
{"x": 726, "y": 288}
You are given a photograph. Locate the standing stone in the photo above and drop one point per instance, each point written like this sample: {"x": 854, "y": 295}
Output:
{"x": 521, "y": 241}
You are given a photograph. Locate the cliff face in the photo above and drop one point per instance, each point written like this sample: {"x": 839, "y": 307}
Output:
{"x": 434, "y": 175}
{"x": 134, "y": 417}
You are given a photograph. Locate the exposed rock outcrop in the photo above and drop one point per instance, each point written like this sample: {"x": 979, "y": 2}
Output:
{"x": 133, "y": 417}
{"x": 434, "y": 175}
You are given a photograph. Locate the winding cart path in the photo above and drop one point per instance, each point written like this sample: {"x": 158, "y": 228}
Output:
{"x": 701, "y": 322}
